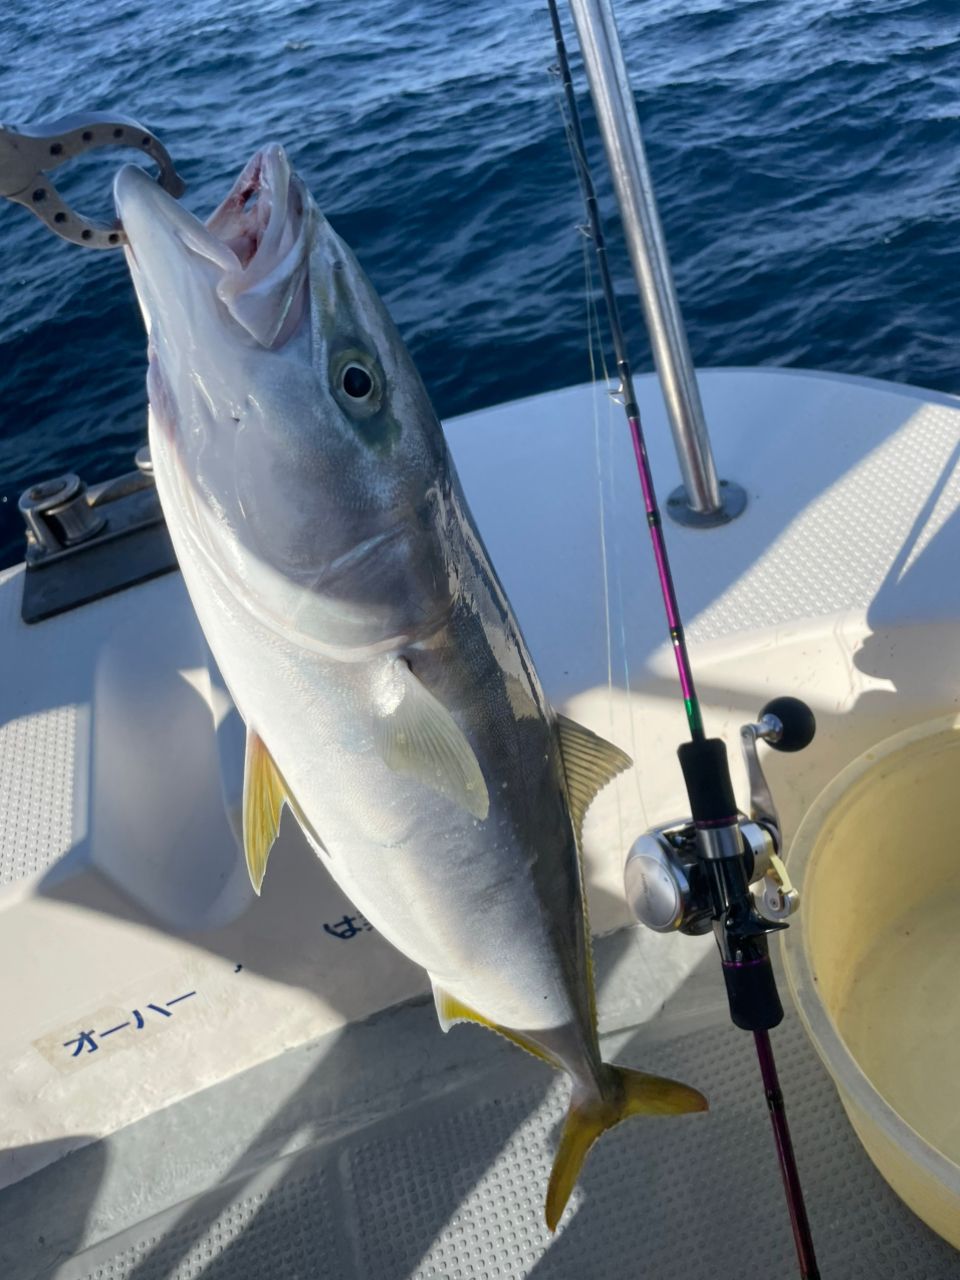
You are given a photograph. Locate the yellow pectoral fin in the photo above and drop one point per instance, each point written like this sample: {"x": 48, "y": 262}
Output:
{"x": 264, "y": 795}
{"x": 629, "y": 1093}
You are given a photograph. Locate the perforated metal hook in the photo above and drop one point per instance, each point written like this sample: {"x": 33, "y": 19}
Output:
{"x": 29, "y": 153}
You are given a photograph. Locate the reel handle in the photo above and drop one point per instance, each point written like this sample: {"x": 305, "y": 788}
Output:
{"x": 798, "y": 724}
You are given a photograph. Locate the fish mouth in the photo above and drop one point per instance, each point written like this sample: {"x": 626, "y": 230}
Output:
{"x": 257, "y": 239}
{"x": 264, "y": 207}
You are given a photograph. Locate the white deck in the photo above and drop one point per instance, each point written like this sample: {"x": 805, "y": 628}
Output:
{"x": 122, "y": 887}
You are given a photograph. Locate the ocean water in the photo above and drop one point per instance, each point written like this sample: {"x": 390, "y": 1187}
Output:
{"x": 806, "y": 155}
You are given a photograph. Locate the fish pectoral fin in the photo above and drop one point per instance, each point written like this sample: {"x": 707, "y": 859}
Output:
{"x": 419, "y": 737}
{"x": 589, "y": 763}
{"x": 264, "y": 795}
{"x": 626, "y": 1093}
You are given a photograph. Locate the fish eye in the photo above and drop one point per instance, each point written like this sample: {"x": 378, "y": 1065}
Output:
{"x": 356, "y": 382}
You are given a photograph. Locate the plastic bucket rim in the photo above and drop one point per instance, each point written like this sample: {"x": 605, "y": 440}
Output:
{"x": 853, "y": 1083}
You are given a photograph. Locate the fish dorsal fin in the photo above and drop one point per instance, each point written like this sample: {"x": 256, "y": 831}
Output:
{"x": 264, "y": 795}
{"x": 589, "y": 762}
{"x": 418, "y": 736}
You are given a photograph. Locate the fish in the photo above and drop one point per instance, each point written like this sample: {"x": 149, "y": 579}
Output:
{"x": 346, "y": 594}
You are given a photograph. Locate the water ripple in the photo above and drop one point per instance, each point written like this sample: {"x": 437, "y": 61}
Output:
{"x": 805, "y": 154}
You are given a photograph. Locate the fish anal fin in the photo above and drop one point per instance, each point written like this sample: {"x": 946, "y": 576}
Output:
{"x": 626, "y": 1093}
{"x": 418, "y": 736}
{"x": 451, "y": 1011}
{"x": 589, "y": 763}
{"x": 264, "y": 795}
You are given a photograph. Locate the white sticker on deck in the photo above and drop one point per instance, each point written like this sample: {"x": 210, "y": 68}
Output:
{"x": 112, "y": 1029}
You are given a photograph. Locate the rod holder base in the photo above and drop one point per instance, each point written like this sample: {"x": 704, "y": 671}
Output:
{"x": 733, "y": 502}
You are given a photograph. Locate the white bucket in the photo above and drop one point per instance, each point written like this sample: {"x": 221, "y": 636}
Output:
{"x": 874, "y": 963}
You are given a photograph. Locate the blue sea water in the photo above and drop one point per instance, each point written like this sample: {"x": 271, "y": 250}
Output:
{"x": 806, "y": 155}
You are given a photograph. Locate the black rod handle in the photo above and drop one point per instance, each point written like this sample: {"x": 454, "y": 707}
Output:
{"x": 706, "y": 772}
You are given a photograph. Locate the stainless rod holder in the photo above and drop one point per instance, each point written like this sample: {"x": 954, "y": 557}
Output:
{"x": 705, "y": 500}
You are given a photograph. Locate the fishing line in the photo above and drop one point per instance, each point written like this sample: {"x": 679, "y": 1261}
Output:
{"x": 635, "y": 744}
{"x": 596, "y": 354}
{"x": 593, "y": 337}
{"x": 741, "y": 935}
{"x": 593, "y": 334}
{"x": 654, "y": 520}
{"x": 605, "y": 478}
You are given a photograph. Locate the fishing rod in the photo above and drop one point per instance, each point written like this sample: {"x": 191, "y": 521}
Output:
{"x": 696, "y": 876}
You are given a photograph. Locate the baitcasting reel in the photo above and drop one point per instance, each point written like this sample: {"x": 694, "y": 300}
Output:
{"x": 666, "y": 884}
{"x": 722, "y": 870}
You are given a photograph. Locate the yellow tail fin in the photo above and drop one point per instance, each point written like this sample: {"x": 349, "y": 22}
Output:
{"x": 626, "y": 1093}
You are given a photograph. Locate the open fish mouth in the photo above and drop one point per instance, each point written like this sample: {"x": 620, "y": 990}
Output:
{"x": 264, "y": 210}
{"x": 258, "y": 239}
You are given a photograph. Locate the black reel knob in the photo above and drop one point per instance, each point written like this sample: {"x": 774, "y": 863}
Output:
{"x": 799, "y": 723}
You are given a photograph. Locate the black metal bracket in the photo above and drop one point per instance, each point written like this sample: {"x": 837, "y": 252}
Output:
{"x": 84, "y": 544}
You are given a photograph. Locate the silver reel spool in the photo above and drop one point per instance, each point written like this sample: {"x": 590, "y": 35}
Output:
{"x": 664, "y": 877}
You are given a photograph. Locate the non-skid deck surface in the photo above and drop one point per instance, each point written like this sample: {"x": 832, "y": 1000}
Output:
{"x": 452, "y": 1188}
{"x": 375, "y": 1147}
{"x": 121, "y": 763}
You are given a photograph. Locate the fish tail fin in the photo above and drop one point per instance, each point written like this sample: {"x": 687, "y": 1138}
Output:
{"x": 625, "y": 1093}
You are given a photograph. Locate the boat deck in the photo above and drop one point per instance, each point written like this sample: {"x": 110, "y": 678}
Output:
{"x": 272, "y": 1098}
{"x": 388, "y": 1151}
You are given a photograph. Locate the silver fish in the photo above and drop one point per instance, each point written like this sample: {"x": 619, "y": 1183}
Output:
{"x": 350, "y": 603}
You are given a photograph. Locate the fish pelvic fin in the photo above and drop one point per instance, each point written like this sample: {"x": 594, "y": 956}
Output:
{"x": 264, "y": 795}
{"x": 626, "y": 1093}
